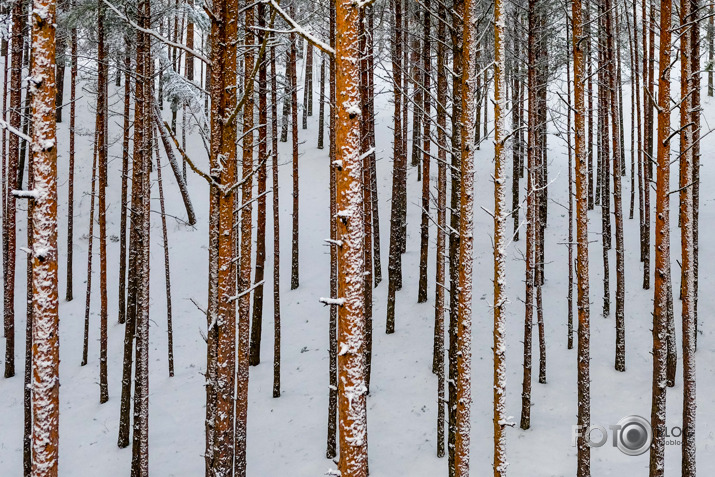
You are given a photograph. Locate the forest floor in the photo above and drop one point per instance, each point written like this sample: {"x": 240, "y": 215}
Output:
{"x": 287, "y": 436}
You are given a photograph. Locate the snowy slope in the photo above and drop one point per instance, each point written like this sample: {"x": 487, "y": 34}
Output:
{"x": 286, "y": 436}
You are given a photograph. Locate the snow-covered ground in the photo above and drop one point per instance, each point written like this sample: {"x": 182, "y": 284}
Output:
{"x": 286, "y": 436}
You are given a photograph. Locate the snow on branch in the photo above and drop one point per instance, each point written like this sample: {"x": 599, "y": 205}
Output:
{"x": 231, "y": 299}
{"x": 188, "y": 160}
{"x": 299, "y": 29}
{"x": 332, "y": 301}
{"x": 156, "y": 35}
{"x": 249, "y": 82}
{"x": 4, "y": 125}
{"x": 367, "y": 154}
{"x": 26, "y": 194}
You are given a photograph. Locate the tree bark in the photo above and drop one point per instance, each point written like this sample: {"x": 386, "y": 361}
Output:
{"x": 276, "y": 230}
{"x": 167, "y": 271}
{"x": 331, "y": 450}
{"x": 580, "y": 155}
{"x": 426, "y": 143}
{"x": 45, "y": 300}
{"x": 102, "y": 158}
{"x": 125, "y": 177}
{"x": 662, "y": 246}
{"x": 466, "y": 228}
{"x": 352, "y": 402}
{"x": 295, "y": 248}
{"x": 440, "y": 279}
{"x": 399, "y": 166}
{"x": 9, "y": 219}
{"x": 501, "y": 215}
{"x": 257, "y": 319}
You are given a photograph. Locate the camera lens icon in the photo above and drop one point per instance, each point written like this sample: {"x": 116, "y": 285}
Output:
{"x": 634, "y": 435}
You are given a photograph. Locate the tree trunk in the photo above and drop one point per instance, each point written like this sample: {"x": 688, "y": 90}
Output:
{"x": 45, "y": 300}
{"x": 167, "y": 273}
{"x": 276, "y": 230}
{"x": 102, "y": 157}
{"x": 501, "y": 215}
{"x": 662, "y": 246}
{"x": 295, "y": 261}
{"x": 9, "y": 220}
{"x": 125, "y": 177}
{"x": 70, "y": 179}
{"x": 426, "y": 142}
{"x": 466, "y": 227}
{"x": 221, "y": 358}
{"x": 308, "y": 85}
{"x": 569, "y": 107}
{"x": 257, "y": 320}
{"x": 352, "y": 407}
{"x": 580, "y": 152}
{"x": 246, "y": 229}
{"x": 399, "y": 166}
{"x": 366, "y": 155}
{"x": 90, "y": 257}
{"x": 689, "y": 229}
{"x": 321, "y": 106}
{"x": 140, "y": 433}
{"x": 331, "y": 450}
{"x": 531, "y": 218}
{"x": 440, "y": 279}
{"x": 711, "y": 47}
{"x": 620, "y": 360}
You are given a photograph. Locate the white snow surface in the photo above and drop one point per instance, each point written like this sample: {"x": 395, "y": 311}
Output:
{"x": 286, "y": 436}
